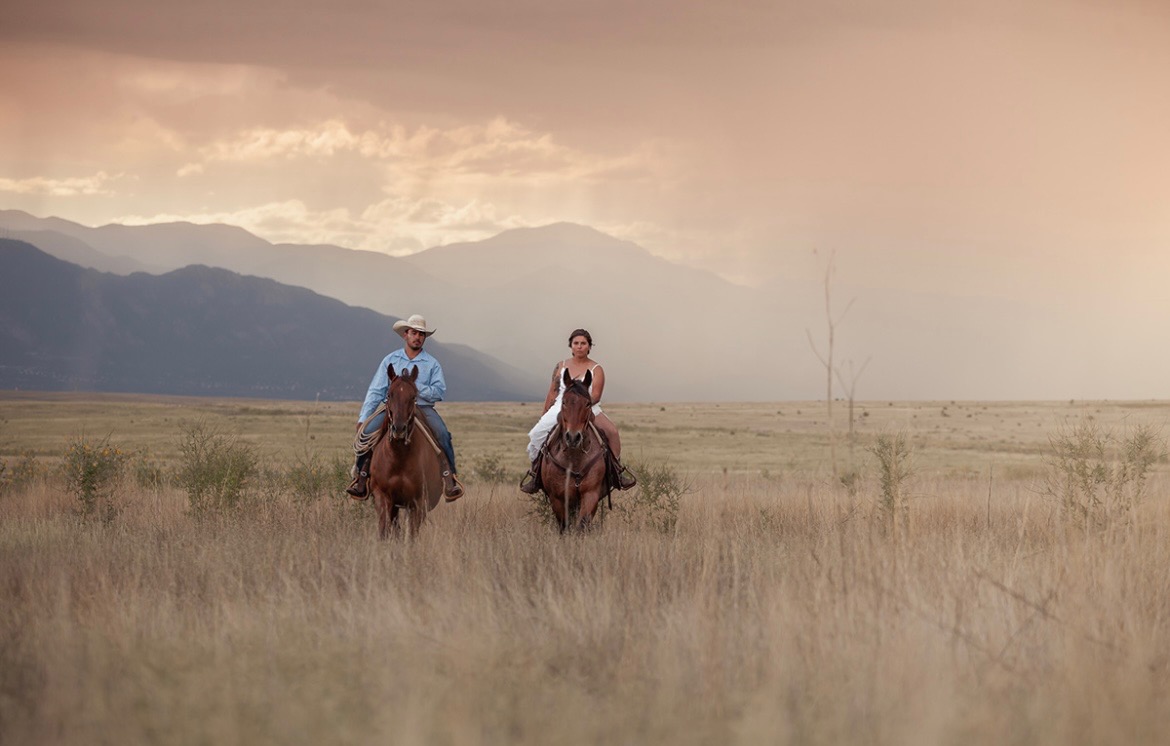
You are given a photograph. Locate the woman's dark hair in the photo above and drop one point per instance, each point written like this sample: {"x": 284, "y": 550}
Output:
{"x": 581, "y": 333}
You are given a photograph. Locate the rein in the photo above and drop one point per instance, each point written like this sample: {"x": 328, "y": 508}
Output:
{"x": 409, "y": 422}
{"x": 426, "y": 431}
{"x": 409, "y": 429}
{"x": 578, "y": 474}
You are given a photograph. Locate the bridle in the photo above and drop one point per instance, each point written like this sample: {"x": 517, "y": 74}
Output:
{"x": 578, "y": 473}
{"x": 408, "y": 429}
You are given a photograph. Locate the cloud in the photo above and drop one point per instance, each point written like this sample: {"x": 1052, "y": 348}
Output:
{"x": 433, "y": 185}
{"x": 498, "y": 149}
{"x": 396, "y": 225}
{"x": 735, "y": 139}
{"x": 65, "y": 187}
{"x": 264, "y": 144}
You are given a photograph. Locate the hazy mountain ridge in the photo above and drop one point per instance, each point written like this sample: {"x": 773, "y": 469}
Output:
{"x": 667, "y": 332}
{"x": 362, "y": 278}
{"x": 202, "y": 330}
{"x": 516, "y": 295}
{"x": 71, "y": 249}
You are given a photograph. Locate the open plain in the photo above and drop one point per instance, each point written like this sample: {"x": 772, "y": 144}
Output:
{"x": 756, "y": 596}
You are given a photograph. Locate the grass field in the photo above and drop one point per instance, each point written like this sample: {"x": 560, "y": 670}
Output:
{"x": 783, "y": 605}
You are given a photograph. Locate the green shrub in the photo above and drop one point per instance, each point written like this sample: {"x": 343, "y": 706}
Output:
{"x": 215, "y": 468}
{"x": 93, "y": 469}
{"x": 895, "y": 462}
{"x": 1098, "y": 477}
{"x": 15, "y": 475}
{"x": 655, "y": 500}
{"x": 311, "y": 477}
{"x": 490, "y": 468}
{"x": 539, "y": 508}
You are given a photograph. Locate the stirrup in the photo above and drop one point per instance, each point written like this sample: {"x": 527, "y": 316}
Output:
{"x": 452, "y": 487}
{"x": 361, "y": 492}
{"x": 530, "y": 485}
{"x": 625, "y": 477}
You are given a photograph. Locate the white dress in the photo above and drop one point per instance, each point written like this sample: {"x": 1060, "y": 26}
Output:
{"x": 547, "y": 421}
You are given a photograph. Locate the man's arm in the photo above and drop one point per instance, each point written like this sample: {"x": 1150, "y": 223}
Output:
{"x": 435, "y": 387}
{"x": 376, "y": 392}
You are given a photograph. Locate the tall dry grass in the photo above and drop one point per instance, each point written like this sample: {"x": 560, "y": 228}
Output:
{"x": 779, "y": 610}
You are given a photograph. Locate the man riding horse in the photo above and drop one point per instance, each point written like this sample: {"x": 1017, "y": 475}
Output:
{"x": 431, "y": 388}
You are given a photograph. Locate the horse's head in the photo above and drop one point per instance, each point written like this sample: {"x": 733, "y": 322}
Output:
{"x": 576, "y": 409}
{"x": 400, "y": 403}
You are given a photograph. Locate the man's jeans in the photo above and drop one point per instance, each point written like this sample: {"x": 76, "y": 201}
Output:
{"x": 438, "y": 427}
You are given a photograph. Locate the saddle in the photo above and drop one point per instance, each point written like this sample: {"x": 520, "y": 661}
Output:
{"x": 364, "y": 442}
{"x": 612, "y": 467}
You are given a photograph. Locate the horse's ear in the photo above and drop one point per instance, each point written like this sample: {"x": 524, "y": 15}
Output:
{"x": 588, "y": 380}
{"x": 390, "y": 371}
{"x": 568, "y": 379}
{"x": 413, "y": 374}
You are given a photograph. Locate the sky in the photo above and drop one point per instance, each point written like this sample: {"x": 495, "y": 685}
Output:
{"x": 992, "y": 147}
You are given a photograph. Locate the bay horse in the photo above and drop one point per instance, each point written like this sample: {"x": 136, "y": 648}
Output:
{"x": 405, "y": 471}
{"x": 573, "y": 470}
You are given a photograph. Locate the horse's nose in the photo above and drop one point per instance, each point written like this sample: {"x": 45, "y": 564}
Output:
{"x": 573, "y": 438}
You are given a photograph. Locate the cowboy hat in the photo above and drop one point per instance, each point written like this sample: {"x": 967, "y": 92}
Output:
{"x": 416, "y": 322}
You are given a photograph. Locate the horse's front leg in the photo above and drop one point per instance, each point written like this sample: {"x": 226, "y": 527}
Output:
{"x": 382, "y": 503}
{"x": 418, "y": 514}
{"x": 387, "y": 516}
{"x": 587, "y": 507}
{"x": 557, "y": 504}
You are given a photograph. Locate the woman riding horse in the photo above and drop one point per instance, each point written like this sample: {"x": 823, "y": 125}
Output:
{"x": 572, "y": 465}
{"x": 576, "y": 367}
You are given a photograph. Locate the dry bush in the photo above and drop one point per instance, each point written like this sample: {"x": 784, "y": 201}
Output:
{"x": 1099, "y": 477}
{"x": 895, "y": 465}
{"x": 215, "y": 469}
{"x": 93, "y": 469}
{"x": 15, "y": 475}
{"x": 491, "y": 469}
{"x": 656, "y": 499}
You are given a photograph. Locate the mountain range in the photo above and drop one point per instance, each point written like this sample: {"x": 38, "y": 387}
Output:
{"x": 515, "y": 296}
{"x": 201, "y": 330}
{"x": 664, "y": 331}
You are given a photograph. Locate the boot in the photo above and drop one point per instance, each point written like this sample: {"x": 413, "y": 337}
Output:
{"x": 530, "y": 484}
{"x": 358, "y": 489}
{"x": 625, "y": 478}
{"x": 452, "y": 487}
{"x": 620, "y": 477}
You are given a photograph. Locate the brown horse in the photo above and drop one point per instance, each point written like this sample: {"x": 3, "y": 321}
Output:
{"x": 573, "y": 472}
{"x": 405, "y": 472}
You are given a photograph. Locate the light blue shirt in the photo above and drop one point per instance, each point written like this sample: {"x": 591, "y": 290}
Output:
{"x": 431, "y": 384}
